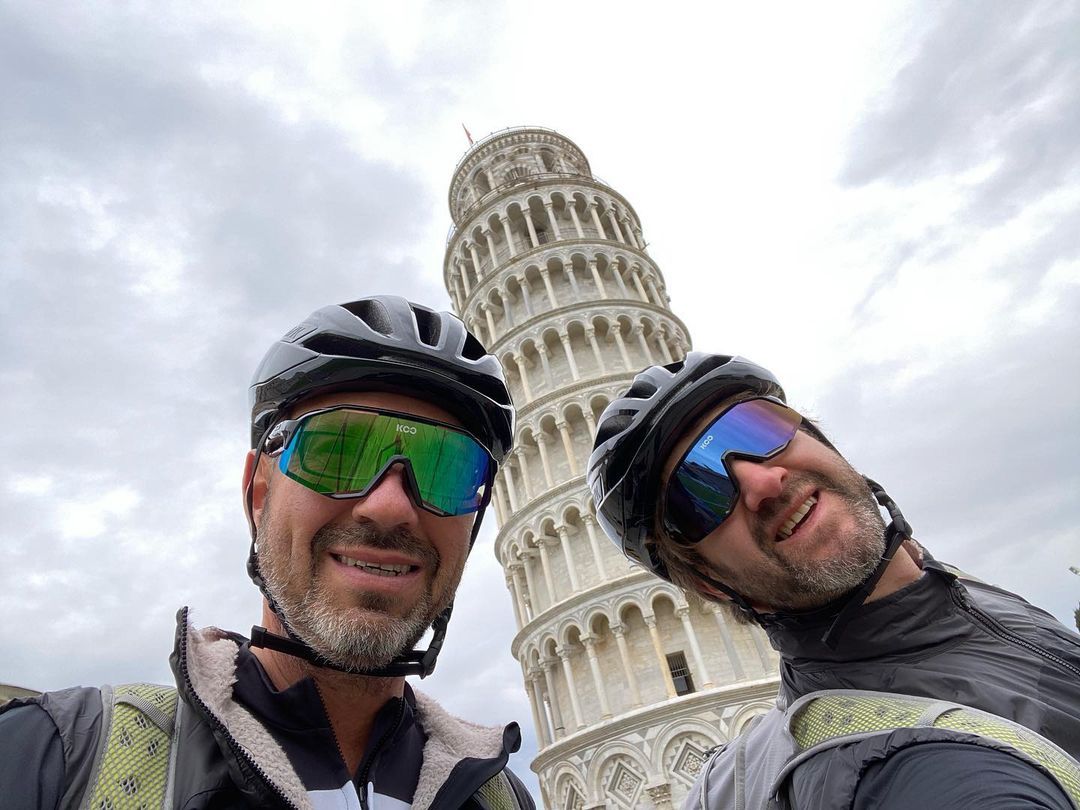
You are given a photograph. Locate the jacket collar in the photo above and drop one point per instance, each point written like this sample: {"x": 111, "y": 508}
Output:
{"x": 204, "y": 662}
{"x": 916, "y": 616}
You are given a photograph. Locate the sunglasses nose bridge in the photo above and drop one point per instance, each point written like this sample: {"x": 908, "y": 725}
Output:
{"x": 409, "y": 484}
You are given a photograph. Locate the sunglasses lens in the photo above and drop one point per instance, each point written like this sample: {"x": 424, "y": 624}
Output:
{"x": 340, "y": 452}
{"x": 701, "y": 492}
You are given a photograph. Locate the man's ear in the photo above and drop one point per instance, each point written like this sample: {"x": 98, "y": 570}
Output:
{"x": 255, "y": 480}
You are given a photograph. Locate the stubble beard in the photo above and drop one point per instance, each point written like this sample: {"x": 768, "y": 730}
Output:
{"x": 365, "y": 634}
{"x": 788, "y": 582}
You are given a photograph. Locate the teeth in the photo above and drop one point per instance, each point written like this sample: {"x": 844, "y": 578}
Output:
{"x": 796, "y": 518}
{"x": 382, "y": 569}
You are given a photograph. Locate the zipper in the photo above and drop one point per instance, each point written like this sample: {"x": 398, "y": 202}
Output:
{"x": 998, "y": 629}
{"x": 370, "y": 760}
{"x": 337, "y": 743}
{"x": 216, "y": 724}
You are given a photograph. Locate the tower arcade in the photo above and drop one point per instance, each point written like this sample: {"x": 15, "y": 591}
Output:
{"x": 630, "y": 681}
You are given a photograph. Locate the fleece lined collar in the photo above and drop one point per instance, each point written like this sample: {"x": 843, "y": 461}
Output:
{"x": 207, "y": 658}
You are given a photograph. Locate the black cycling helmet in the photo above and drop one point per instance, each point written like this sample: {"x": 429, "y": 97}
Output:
{"x": 636, "y": 433}
{"x": 381, "y": 343}
{"x": 387, "y": 343}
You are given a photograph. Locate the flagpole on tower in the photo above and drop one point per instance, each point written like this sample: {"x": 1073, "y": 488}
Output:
{"x": 467, "y": 134}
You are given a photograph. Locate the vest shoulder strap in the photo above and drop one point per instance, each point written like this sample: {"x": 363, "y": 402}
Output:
{"x": 826, "y": 719}
{"x": 134, "y": 763}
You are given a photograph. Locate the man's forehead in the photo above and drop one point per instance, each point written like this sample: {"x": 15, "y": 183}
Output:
{"x": 380, "y": 400}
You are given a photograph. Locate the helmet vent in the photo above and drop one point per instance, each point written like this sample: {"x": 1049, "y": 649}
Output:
{"x": 373, "y": 313}
{"x": 641, "y": 388}
{"x": 472, "y": 350}
{"x": 611, "y": 427}
{"x": 336, "y": 345}
{"x": 428, "y": 326}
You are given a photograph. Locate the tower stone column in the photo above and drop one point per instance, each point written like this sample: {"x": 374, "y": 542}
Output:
{"x": 630, "y": 680}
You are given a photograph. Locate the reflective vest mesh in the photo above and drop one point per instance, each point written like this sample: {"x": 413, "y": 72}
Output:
{"x": 497, "y": 794}
{"x": 831, "y": 716}
{"x": 134, "y": 767}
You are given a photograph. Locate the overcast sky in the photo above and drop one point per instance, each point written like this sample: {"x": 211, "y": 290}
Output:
{"x": 880, "y": 202}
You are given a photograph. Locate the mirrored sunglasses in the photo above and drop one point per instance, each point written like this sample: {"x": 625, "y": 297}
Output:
{"x": 344, "y": 452}
{"x": 702, "y": 491}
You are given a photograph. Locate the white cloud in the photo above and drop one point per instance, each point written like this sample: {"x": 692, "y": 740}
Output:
{"x": 30, "y": 484}
{"x": 80, "y": 519}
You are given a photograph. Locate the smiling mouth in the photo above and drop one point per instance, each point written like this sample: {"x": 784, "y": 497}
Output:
{"x": 796, "y": 519}
{"x": 379, "y": 569}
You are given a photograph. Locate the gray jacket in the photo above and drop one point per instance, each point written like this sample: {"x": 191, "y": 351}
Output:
{"x": 963, "y": 642}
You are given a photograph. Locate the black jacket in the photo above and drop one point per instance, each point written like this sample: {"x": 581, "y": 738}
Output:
{"x": 941, "y": 638}
{"x": 225, "y": 757}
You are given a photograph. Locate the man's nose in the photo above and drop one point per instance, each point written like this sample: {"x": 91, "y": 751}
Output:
{"x": 758, "y": 481}
{"x": 388, "y": 504}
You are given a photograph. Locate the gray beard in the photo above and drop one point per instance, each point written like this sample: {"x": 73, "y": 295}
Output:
{"x": 818, "y": 582}
{"x": 364, "y": 636}
{"x": 787, "y": 585}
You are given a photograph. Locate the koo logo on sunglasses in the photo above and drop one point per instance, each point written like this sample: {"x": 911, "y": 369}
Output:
{"x": 406, "y": 429}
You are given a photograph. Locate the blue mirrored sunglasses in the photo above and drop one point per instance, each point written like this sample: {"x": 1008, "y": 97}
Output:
{"x": 702, "y": 491}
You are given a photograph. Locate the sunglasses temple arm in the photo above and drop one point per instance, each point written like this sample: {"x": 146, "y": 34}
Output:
{"x": 249, "y": 506}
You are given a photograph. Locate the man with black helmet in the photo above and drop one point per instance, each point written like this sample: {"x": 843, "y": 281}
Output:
{"x": 904, "y": 683}
{"x": 377, "y": 427}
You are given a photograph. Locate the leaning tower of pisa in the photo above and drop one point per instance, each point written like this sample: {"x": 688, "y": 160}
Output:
{"x": 630, "y": 681}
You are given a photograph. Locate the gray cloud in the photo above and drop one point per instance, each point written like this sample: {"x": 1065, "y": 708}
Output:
{"x": 997, "y": 82}
{"x": 160, "y": 224}
{"x": 981, "y": 455}
{"x": 979, "y": 440}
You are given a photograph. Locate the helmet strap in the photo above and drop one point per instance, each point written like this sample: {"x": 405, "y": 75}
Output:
{"x": 736, "y": 598}
{"x": 896, "y": 532}
{"x": 413, "y": 662}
